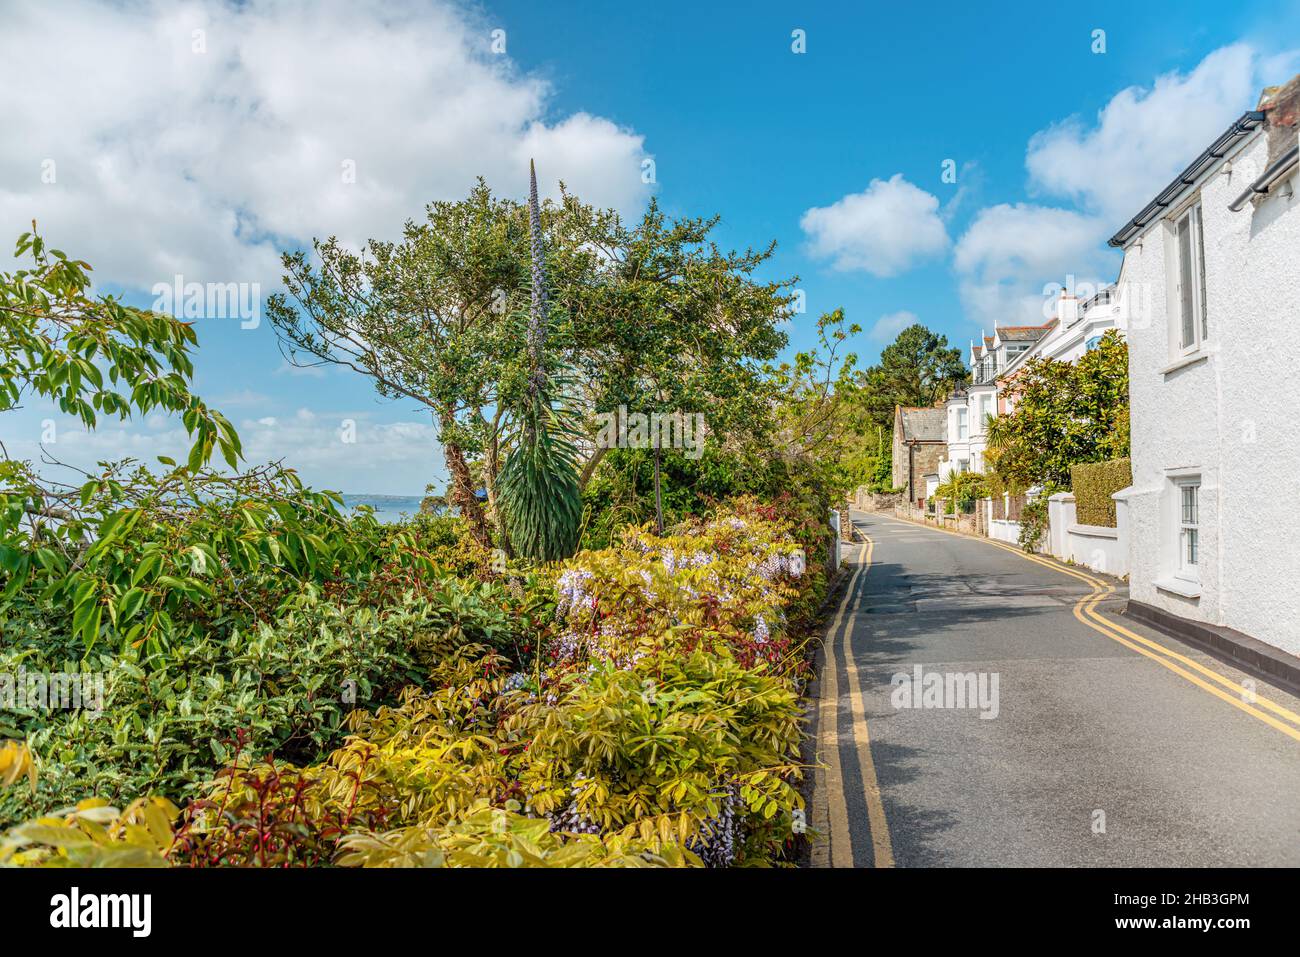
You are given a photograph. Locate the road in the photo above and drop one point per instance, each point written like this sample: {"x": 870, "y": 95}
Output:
{"x": 1105, "y": 743}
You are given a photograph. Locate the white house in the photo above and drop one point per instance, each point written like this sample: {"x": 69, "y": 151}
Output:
{"x": 1212, "y": 266}
{"x": 1074, "y": 329}
{"x": 968, "y": 408}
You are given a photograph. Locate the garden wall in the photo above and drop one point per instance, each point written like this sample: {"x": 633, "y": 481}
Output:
{"x": 1099, "y": 547}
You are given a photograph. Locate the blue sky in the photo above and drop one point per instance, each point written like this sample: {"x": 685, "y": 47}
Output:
{"x": 214, "y": 138}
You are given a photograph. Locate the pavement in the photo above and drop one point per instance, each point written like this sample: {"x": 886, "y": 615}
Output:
{"x": 1103, "y": 742}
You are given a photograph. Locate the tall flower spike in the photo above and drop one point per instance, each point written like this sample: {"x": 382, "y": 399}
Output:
{"x": 537, "y": 316}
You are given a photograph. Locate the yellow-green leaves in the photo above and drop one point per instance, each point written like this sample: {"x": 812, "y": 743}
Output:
{"x": 16, "y": 762}
{"x": 94, "y": 834}
{"x": 490, "y": 836}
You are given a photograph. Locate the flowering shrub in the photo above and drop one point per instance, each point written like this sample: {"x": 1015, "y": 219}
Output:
{"x": 691, "y": 748}
{"x": 647, "y": 715}
{"x": 724, "y": 583}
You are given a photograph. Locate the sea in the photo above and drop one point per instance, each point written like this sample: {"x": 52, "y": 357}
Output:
{"x": 388, "y": 508}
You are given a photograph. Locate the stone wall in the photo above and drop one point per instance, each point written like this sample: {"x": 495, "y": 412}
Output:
{"x": 868, "y": 501}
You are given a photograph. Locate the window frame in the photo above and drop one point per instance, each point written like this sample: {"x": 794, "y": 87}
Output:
{"x": 1194, "y": 216}
{"x": 963, "y": 423}
{"x": 1183, "y": 528}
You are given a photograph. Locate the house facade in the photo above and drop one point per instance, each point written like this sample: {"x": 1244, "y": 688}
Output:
{"x": 997, "y": 361}
{"x": 968, "y": 409}
{"x": 920, "y": 442}
{"x": 1212, "y": 273}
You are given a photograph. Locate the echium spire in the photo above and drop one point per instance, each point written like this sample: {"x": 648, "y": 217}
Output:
{"x": 537, "y": 314}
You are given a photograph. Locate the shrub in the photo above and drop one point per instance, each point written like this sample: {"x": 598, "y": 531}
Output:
{"x": 960, "y": 490}
{"x": 1093, "y": 484}
{"x": 501, "y": 837}
{"x": 659, "y": 724}
{"x": 94, "y": 834}
{"x": 690, "y": 749}
{"x": 274, "y": 815}
{"x": 1034, "y": 520}
{"x": 168, "y": 722}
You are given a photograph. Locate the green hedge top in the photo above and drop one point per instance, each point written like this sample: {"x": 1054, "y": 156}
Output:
{"x": 1093, "y": 484}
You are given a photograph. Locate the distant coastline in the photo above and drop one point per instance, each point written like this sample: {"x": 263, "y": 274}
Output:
{"x": 388, "y": 508}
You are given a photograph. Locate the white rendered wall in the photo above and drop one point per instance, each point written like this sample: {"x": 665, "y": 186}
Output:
{"x": 1230, "y": 417}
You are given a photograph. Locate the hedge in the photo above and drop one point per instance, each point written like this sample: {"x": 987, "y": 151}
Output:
{"x": 1093, "y": 485}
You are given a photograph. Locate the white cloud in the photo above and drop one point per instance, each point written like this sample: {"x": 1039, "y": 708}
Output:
{"x": 207, "y": 163}
{"x": 365, "y": 456}
{"x": 883, "y": 230}
{"x": 887, "y": 327}
{"x": 317, "y": 371}
{"x": 1143, "y": 138}
{"x": 1009, "y": 254}
{"x": 1109, "y": 169}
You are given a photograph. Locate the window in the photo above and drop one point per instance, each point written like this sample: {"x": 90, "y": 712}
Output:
{"x": 1189, "y": 521}
{"x": 961, "y": 423}
{"x": 1190, "y": 246}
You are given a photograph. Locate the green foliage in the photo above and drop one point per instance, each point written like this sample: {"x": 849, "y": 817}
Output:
{"x": 916, "y": 369}
{"x": 1065, "y": 414}
{"x": 659, "y": 726}
{"x": 652, "y": 315}
{"x": 96, "y": 357}
{"x": 960, "y": 490}
{"x": 622, "y": 491}
{"x": 668, "y": 750}
{"x": 146, "y": 561}
{"x": 167, "y": 722}
{"x": 995, "y": 485}
{"x": 94, "y": 834}
{"x": 538, "y": 494}
{"x": 1093, "y": 484}
{"x": 821, "y": 431}
{"x": 1034, "y": 519}
{"x": 501, "y": 837}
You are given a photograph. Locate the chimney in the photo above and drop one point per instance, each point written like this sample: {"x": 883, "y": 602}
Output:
{"x": 1067, "y": 309}
{"x": 1281, "y": 104}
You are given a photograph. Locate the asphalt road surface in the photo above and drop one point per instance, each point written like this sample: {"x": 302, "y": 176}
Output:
{"x": 1104, "y": 743}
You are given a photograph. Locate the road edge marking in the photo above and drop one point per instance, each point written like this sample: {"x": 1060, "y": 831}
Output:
{"x": 1103, "y": 625}
{"x": 837, "y": 809}
{"x": 882, "y": 849}
{"x": 1112, "y": 629}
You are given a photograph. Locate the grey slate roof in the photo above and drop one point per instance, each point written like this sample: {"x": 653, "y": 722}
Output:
{"x": 1022, "y": 333}
{"x": 925, "y": 425}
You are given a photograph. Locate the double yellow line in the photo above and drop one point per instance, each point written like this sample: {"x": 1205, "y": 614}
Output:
{"x": 841, "y": 836}
{"x": 1085, "y": 609}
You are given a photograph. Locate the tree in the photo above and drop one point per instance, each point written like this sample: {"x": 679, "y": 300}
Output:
{"x": 96, "y": 356}
{"x": 653, "y": 317}
{"x": 821, "y": 421}
{"x": 541, "y": 503}
{"x": 1065, "y": 413}
{"x": 917, "y": 369}
{"x": 674, "y": 324}
{"x": 426, "y": 318}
